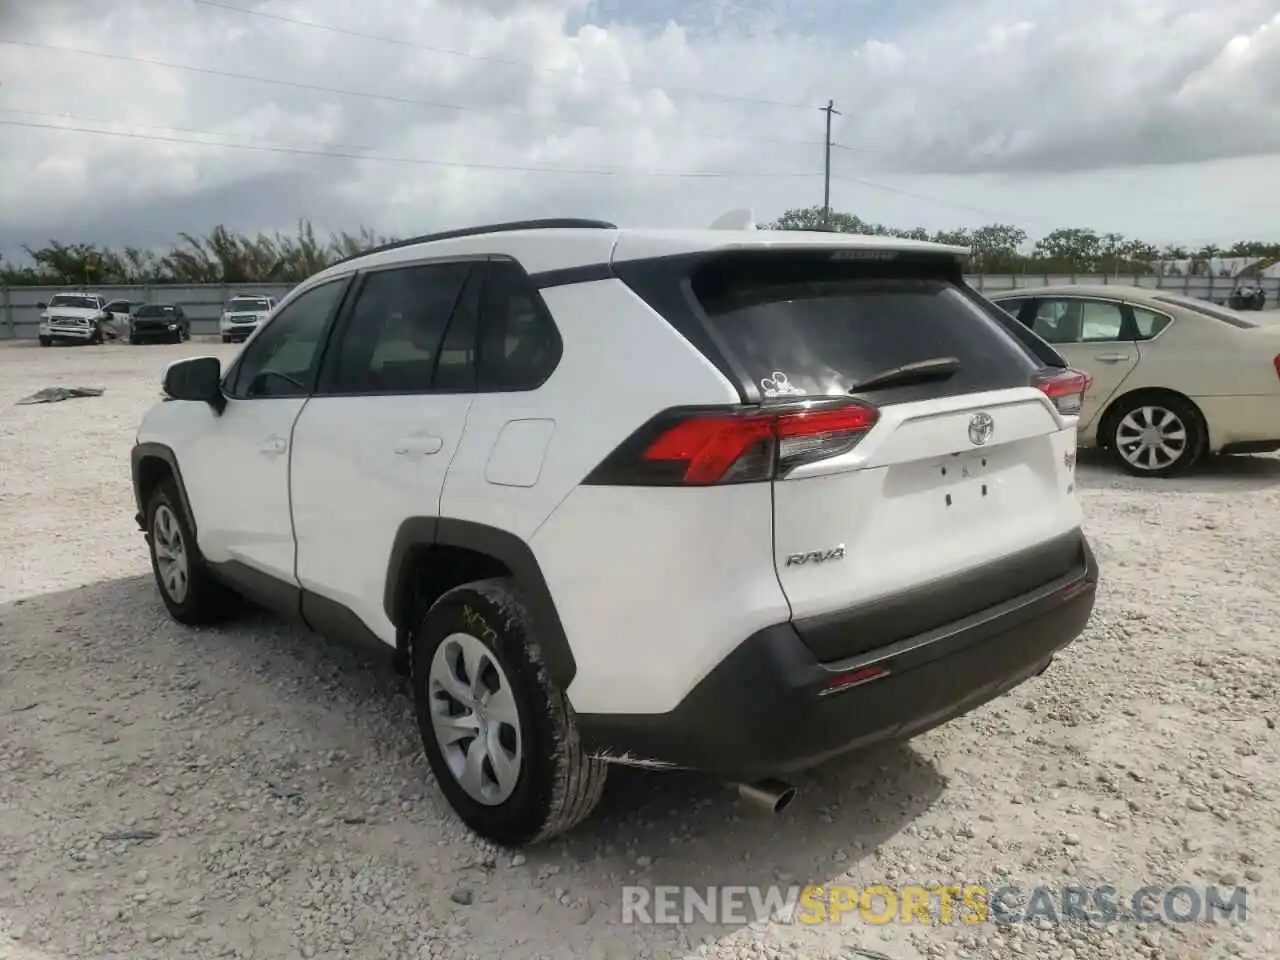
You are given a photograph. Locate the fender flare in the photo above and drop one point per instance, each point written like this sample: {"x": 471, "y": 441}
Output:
{"x": 513, "y": 552}
{"x": 158, "y": 451}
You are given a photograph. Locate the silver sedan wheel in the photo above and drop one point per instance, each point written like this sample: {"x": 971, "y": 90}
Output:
{"x": 171, "y": 553}
{"x": 1151, "y": 438}
{"x": 475, "y": 719}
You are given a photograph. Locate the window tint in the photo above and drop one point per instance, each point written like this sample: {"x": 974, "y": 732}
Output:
{"x": 71, "y": 301}
{"x": 281, "y": 360}
{"x": 1148, "y": 322}
{"x": 519, "y": 345}
{"x": 817, "y": 327}
{"x": 1075, "y": 320}
{"x": 393, "y": 337}
{"x": 1012, "y": 307}
{"x": 249, "y": 304}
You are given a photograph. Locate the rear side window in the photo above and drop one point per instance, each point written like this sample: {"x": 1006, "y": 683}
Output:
{"x": 519, "y": 343}
{"x": 816, "y": 326}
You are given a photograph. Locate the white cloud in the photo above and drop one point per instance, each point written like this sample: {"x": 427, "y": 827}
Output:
{"x": 1103, "y": 113}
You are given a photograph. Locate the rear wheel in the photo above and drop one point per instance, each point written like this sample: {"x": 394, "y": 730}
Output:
{"x": 1156, "y": 435}
{"x": 501, "y": 739}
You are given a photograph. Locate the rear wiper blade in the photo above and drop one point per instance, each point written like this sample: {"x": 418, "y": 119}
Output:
{"x": 922, "y": 371}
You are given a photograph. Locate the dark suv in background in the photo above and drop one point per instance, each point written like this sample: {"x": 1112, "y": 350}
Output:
{"x": 159, "y": 322}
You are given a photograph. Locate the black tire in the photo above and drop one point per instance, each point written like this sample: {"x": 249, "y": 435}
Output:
{"x": 225, "y": 338}
{"x": 46, "y": 341}
{"x": 558, "y": 785}
{"x": 133, "y": 340}
{"x": 1119, "y": 434}
{"x": 206, "y": 600}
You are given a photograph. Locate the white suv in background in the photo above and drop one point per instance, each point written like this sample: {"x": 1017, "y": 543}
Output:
{"x": 242, "y": 315}
{"x": 723, "y": 500}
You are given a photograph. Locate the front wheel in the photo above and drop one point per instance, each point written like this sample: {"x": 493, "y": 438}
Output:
{"x": 190, "y": 593}
{"x": 46, "y": 341}
{"x": 1156, "y": 436}
{"x": 502, "y": 741}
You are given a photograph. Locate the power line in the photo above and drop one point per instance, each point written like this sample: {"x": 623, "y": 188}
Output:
{"x": 399, "y": 41}
{"x": 885, "y": 188}
{"x": 418, "y": 161}
{"x": 342, "y": 151}
{"x": 366, "y": 95}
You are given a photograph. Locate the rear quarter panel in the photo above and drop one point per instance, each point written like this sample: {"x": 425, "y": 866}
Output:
{"x": 1228, "y": 373}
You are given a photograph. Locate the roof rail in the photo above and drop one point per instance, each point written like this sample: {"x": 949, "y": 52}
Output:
{"x": 563, "y": 223}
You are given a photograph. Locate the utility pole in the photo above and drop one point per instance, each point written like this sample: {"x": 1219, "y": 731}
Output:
{"x": 829, "y": 109}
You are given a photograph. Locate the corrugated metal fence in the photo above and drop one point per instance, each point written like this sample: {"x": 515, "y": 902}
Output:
{"x": 203, "y": 303}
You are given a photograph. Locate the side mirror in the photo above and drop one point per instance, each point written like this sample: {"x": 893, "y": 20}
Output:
{"x": 41, "y": 305}
{"x": 198, "y": 379}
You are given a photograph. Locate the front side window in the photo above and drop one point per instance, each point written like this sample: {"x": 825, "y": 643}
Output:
{"x": 281, "y": 361}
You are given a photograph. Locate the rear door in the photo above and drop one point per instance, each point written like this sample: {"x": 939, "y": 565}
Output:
{"x": 1094, "y": 335}
{"x": 962, "y": 486}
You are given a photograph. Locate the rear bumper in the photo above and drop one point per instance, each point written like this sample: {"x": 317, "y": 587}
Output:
{"x": 763, "y": 713}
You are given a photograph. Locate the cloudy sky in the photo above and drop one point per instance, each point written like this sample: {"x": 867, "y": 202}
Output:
{"x": 128, "y": 121}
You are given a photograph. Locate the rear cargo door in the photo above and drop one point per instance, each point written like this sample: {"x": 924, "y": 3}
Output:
{"x": 959, "y": 495}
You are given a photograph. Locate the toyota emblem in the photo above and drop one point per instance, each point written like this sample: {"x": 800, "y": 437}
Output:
{"x": 981, "y": 426}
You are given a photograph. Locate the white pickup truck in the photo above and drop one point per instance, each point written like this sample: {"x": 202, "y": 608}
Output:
{"x": 78, "y": 317}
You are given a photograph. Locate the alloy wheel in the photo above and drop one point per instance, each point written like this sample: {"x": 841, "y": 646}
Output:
{"x": 1151, "y": 437}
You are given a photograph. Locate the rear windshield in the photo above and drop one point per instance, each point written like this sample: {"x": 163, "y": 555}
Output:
{"x": 820, "y": 327}
{"x": 1207, "y": 309}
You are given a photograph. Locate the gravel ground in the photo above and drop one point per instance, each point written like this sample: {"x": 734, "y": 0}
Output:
{"x": 251, "y": 791}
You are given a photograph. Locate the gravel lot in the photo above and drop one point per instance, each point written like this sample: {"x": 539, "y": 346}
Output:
{"x": 252, "y": 791}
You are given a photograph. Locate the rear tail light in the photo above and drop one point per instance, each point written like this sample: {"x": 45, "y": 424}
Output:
{"x": 1276, "y": 361}
{"x": 1066, "y": 388}
{"x": 701, "y": 447}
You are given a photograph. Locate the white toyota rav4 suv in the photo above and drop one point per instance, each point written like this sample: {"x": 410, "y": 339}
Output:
{"x": 725, "y": 500}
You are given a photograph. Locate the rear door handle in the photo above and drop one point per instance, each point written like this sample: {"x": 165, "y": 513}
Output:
{"x": 415, "y": 447}
{"x": 273, "y": 446}
{"x": 1113, "y": 357}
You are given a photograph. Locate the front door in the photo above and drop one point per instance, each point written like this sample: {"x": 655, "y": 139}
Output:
{"x": 236, "y": 469}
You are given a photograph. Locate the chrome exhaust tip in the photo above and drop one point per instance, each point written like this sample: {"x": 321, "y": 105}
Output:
{"x": 772, "y": 796}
